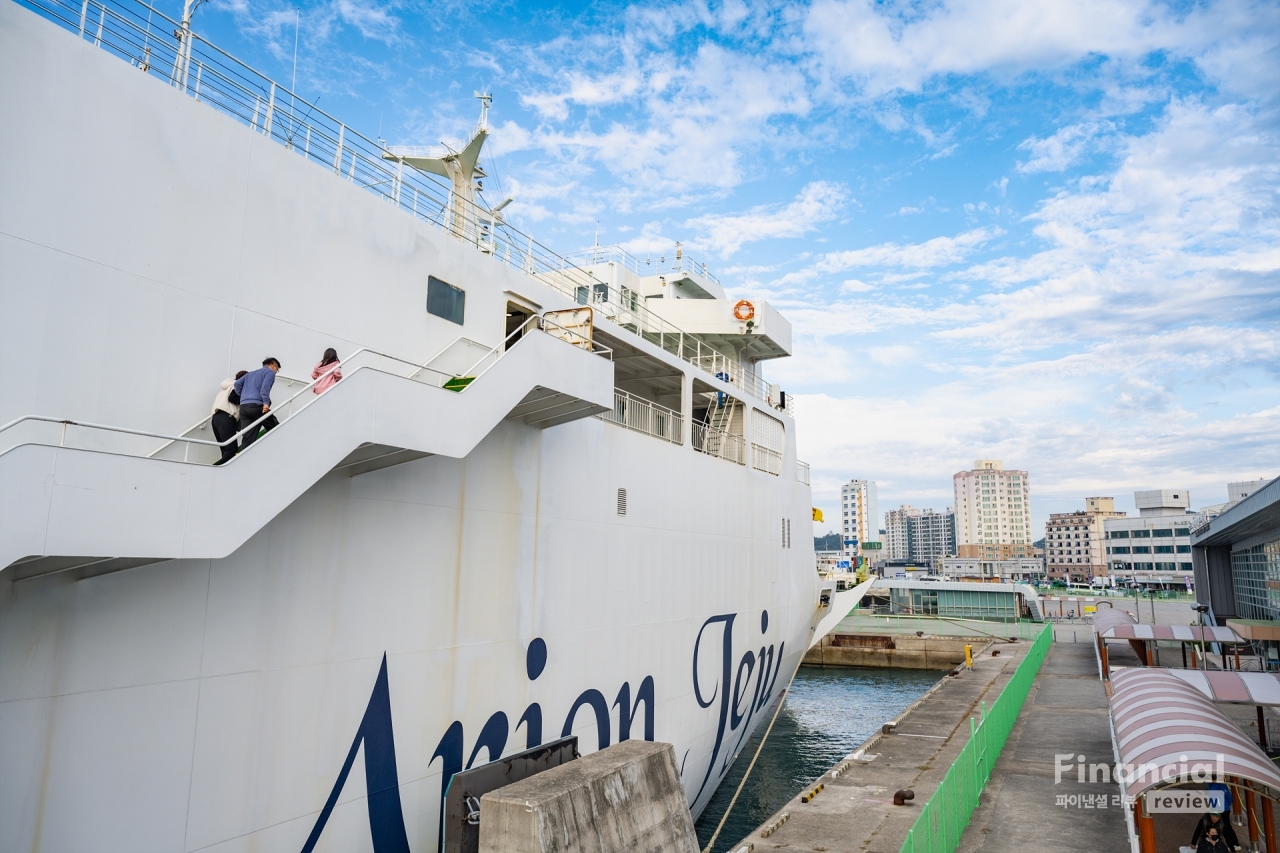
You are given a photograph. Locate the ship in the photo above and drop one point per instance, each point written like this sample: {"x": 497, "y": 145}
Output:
{"x": 551, "y": 495}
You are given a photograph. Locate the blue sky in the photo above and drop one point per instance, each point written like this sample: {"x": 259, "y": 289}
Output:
{"x": 1043, "y": 232}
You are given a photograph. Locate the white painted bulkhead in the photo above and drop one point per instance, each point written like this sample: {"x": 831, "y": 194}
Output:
{"x": 149, "y": 247}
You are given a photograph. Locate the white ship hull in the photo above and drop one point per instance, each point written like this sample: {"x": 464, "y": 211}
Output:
{"x": 211, "y": 702}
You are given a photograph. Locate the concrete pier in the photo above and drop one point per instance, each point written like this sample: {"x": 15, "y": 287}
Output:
{"x": 854, "y": 811}
{"x": 895, "y": 651}
{"x": 624, "y": 799}
{"x": 1065, "y": 713}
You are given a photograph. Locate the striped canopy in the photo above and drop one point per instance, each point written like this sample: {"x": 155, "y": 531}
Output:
{"x": 1105, "y": 620}
{"x": 1186, "y": 633}
{"x": 1244, "y": 688}
{"x": 1159, "y": 720}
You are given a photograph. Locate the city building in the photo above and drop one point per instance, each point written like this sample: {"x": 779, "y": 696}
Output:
{"x": 1153, "y": 549}
{"x": 1075, "y": 548}
{"x": 1237, "y": 567}
{"x": 831, "y": 561}
{"x": 895, "y": 532}
{"x": 1236, "y": 492}
{"x": 993, "y": 512}
{"x": 931, "y": 536}
{"x": 1020, "y": 569}
{"x": 859, "y": 516}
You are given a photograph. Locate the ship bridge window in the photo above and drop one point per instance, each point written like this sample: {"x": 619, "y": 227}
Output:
{"x": 445, "y": 301}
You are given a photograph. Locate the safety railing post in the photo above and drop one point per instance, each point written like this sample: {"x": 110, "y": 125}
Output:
{"x": 84, "y": 10}
{"x": 271, "y": 111}
{"x": 337, "y": 157}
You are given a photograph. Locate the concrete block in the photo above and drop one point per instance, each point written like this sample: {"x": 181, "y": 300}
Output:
{"x": 624, "y": 798}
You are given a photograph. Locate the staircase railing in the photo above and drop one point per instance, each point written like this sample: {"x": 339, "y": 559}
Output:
{"x": 94, "y": 436}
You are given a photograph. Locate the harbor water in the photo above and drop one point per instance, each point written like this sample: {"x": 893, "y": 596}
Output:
{"x": 829, "y": 711}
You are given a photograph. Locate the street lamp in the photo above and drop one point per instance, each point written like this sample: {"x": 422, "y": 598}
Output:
{"x": 1201, "y": 610}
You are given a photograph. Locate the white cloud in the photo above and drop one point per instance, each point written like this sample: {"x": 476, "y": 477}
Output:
{"x": 1064, "y": 148}
{"x": 887, "y": 47}
{"x": 938, "y": 252}
{"x": 818, "y": 202}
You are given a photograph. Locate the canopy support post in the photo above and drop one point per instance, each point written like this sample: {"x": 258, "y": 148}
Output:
{"x": 1268, "y": 825}
{"x": 1251, "y": 817}
{"x": 1146, "y": 828}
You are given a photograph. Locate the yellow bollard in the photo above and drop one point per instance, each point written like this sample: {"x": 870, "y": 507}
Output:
{"x": 968, "y": 657}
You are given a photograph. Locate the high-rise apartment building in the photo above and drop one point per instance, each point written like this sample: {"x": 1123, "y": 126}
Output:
{"x": 895, "y": 532}
{"x": 859, "y": 515}
{"x": 931, "y": 536}
{"x": 993, "y": 512}
{"x": 1075, "y": 546}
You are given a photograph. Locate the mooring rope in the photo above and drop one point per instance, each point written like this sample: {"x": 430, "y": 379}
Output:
{"x": 781, "y": 698}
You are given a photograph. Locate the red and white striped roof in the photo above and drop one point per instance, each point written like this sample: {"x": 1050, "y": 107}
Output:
{"x": 1105, "y": 620}
{"x": 1159, "y": 719}
{"x": 1186, "y": 633}
{"x": 1244, "y": 688}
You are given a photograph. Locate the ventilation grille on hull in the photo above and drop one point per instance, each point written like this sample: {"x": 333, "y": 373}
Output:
{"x": 622, "y": 501}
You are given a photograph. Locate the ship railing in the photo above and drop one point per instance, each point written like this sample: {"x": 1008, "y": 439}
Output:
{"x": 718, "y": 443}
{"x": 802, "y": 472}
{"x": 157, "y": 45}
{"x": 645, "y": 416}
{"x": 190, "y": 446}
{"x": 766, "y": 459}
{"x": 678, "y": 262}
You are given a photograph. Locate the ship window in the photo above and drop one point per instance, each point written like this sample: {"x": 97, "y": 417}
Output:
{"x": 622, "y": 501}
{"x": 445, "y": 301}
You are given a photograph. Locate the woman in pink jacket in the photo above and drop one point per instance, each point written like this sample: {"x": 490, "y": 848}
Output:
{"x": 327, "y": 372}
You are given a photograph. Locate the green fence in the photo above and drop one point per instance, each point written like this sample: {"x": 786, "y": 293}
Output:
{"x": 943, "y": 819}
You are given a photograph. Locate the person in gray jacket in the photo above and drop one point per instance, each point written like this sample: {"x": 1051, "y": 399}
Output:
{"x": 254, "y": 390}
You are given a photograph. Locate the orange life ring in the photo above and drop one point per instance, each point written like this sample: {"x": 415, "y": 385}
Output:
{"x": 744, "y": 310}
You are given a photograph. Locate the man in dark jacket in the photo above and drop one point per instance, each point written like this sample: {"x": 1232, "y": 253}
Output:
{"x": 1220, "y": 826}
{"x": 254, "y": 390}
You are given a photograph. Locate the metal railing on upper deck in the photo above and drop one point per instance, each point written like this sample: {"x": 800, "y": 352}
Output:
{"x": 190, "y": 447}
{"x": 802, "y": 472}
{"x": 645, "y": 416}
{"x": 677, "y": 262}
{"x": 718, "y": 443}
{"x": 153, "y": 43}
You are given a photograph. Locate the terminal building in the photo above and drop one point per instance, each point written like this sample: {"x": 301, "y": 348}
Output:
{"x": 1236, "y": 560}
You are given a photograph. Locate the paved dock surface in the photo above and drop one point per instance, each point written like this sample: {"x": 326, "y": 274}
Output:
{"x": 1066, "y": 712}
{"x": 854, "y": 812}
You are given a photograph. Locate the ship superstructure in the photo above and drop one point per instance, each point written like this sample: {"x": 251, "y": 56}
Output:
{"x": 550, "y": 495}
